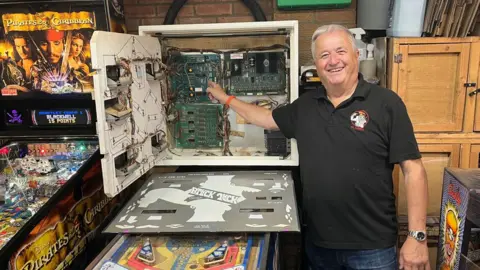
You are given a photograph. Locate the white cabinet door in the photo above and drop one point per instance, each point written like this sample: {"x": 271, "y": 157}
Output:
{"x": 130, "y": 115}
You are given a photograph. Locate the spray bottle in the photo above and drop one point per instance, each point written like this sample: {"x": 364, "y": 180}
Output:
{"x": 368, "y": 67}
{"x": 362, "y": 47}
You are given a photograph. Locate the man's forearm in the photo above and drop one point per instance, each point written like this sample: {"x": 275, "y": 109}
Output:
{"x": 255, "y": 115}
{"x": 417, "y": 196}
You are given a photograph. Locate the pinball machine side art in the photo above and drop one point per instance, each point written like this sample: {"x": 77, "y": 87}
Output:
{"x": 62, "y": 235}
{"x": 452, "y": 223}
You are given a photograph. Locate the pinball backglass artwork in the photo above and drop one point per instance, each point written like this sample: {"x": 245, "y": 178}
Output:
{"x": 253, "y": 201}
{"x": 213, "y": 252}
{"x": 46, "y": 52}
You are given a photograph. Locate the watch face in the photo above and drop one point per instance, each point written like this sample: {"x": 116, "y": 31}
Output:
{"x": 421, "y": 235}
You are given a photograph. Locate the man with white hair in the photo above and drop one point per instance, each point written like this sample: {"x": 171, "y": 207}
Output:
{"x": 350, "y": 134}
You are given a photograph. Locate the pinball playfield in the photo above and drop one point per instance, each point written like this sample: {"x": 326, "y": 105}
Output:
{"x": 32, "y": 173}
{"x": 216, "y": 252}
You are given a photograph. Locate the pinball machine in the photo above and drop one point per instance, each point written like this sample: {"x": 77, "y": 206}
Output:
{"x": 153, "y": 111}
{"x": 51, "y": 194}
{"x": 458, "y": 245}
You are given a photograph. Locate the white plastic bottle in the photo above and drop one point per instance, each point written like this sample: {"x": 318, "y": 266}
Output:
{"x": 362, "y": 47}
{"x": 368, "y": 67}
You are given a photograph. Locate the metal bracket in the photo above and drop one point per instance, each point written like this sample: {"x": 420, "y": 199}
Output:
{"x": 469, "y": 84}
{"x": 397, "y": 58}
{"x": 474, "y": 92}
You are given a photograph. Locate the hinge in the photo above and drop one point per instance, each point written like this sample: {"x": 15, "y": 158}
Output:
{"x": 397, "y": 58}
{"x": 474, "y": 92}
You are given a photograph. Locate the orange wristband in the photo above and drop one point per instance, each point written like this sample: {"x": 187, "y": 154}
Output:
{"x": 230, "y": 98}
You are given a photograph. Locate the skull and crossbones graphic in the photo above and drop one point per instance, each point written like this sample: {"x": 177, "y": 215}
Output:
{"x": 15, "y": 117}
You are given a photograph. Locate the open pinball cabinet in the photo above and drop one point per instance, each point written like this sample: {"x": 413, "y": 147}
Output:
{"x": 153, "y": 110}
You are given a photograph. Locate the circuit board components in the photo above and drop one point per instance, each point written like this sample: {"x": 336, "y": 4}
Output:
{"x": 256, "y": 73}
{"x": 191, "y": 73}
{"x": 198, "y": 126}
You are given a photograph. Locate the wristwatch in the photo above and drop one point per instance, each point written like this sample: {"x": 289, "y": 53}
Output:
{"x": 418, "y": 235}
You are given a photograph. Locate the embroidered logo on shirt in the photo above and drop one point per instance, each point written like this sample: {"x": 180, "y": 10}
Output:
{"x": 359, "y": 119}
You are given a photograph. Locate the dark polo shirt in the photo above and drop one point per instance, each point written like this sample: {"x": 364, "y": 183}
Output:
{"x": 347, "y": 156}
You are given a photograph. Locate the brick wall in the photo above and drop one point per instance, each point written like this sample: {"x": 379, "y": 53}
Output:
{"x": 151, "y": 12}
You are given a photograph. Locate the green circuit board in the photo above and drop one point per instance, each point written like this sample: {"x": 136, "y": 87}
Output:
{"x": 198, "y": 126}
{"x": 190, "y": 76}
{"x": 256, "y": 73}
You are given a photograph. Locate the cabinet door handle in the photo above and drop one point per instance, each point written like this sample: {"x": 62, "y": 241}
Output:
{"x": 474, "y": 92}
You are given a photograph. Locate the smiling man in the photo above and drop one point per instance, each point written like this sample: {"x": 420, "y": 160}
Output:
{"x": 350, "y": 134}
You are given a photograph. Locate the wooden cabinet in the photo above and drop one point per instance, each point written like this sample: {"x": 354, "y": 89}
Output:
{"x": 474, "y": 161}
{"x": 431, "y": 80}
{"x": 477, "y": 110}
{"x": 437, "y": 78}
{"x": 435, "y": 158}
{"x": 471, "y": 156}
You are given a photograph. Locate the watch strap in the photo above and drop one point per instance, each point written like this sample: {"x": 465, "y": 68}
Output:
{"x": 418, "y": 235}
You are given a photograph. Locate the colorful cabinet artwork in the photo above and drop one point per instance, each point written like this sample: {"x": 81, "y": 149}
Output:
{"x": 459, "y": 213}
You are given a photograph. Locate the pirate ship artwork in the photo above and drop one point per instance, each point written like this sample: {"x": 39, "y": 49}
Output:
{"x": 46, "y": 52}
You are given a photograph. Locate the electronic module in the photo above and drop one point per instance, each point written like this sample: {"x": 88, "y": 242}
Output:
{"x": 196, "y": 122}
{"x": 257, "y": 73}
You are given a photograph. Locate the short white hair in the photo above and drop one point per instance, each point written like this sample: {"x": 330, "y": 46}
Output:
{"x": 329, "y": 28}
